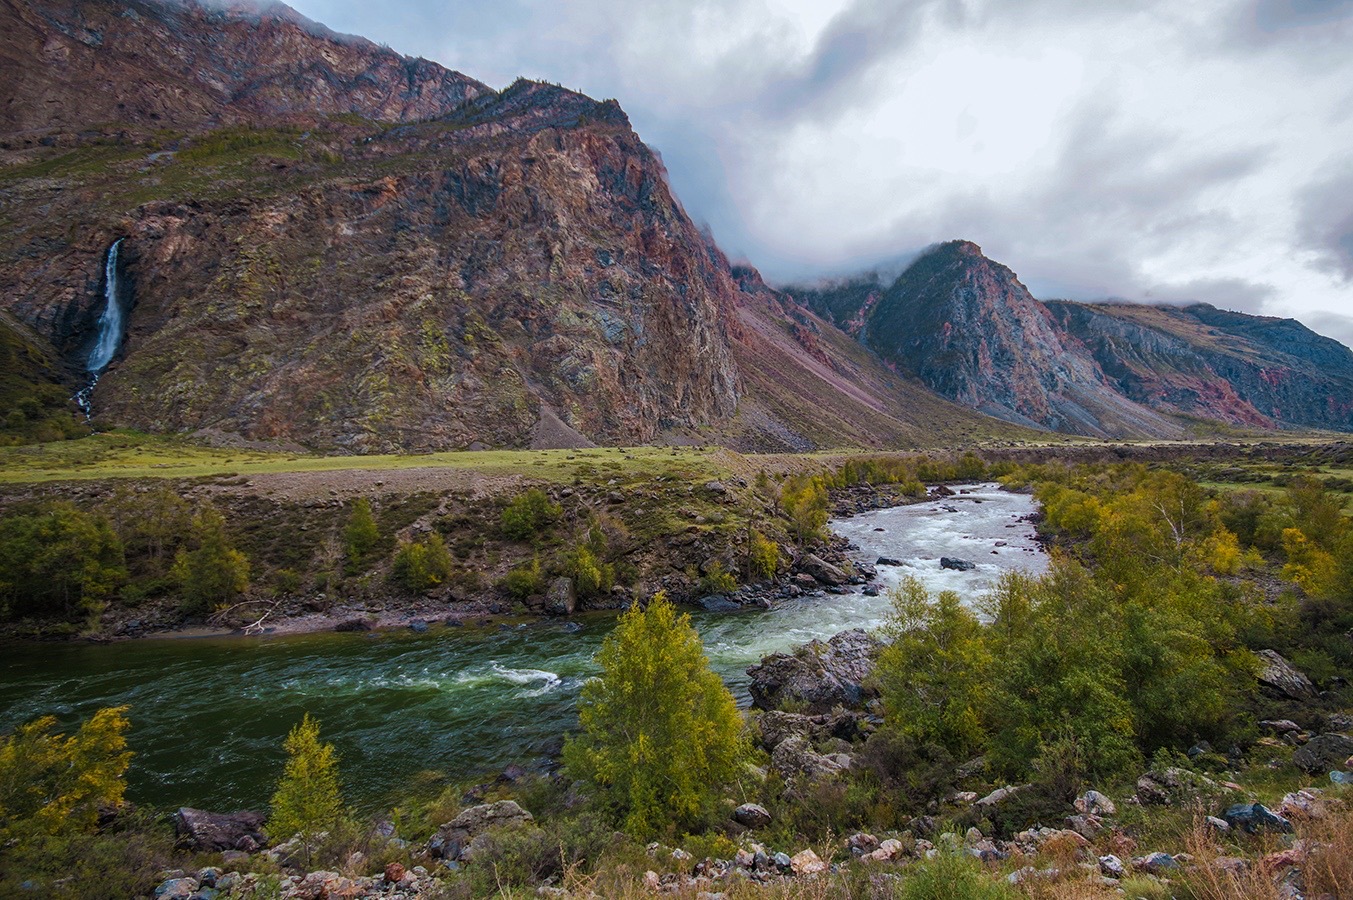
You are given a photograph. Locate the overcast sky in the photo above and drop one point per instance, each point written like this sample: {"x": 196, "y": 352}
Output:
{"x": 1158, "y": 151}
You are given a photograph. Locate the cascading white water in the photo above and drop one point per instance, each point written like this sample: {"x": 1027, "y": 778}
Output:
{"x": 110, "y": 322}
{"x": 109, "y": 336}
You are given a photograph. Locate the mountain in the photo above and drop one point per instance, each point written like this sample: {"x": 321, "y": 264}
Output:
{"x": 971, "y": 331}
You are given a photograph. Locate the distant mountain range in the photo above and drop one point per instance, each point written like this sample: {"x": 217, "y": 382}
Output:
{"x": 328, "y": 244}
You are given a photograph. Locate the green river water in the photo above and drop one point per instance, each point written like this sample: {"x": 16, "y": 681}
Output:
{"x": 209, "y": 714}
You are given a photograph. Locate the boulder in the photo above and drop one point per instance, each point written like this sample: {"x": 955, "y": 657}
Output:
{"x": 1096, "y": 804}
{"x": 889, "y": 561}
{"x": 453, "y": 838}
{"x": 1111, "y": 866}
{"x": 751, "y": 815}
{"x": 822, "y": 571}
{"x": 861, "y": 843}
{"x": 776, "y": 726}
{"x": 1254, "y": 818}
{"x": 1284, "y": 679}
{"x": 958, "y": 565}
{"x": 1323, "y": 753}
{"x": 888, "y": 851}
{"x": 1000, "y": 795}
{"x": 209, "y": 832}
{"x": 817, "y": 676}
{"x": 561, "y": 599}
{"x": 1157, "y": 864}
{"x": 795, "y": 757}
{"x": 353, "y": 625}
{"x": 806, "y": 862}
{"x": 176, "y": 889}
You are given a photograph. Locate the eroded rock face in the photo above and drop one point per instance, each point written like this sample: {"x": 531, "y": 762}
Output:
{"x": 1324, "y": 753}
{"x": 1284, "y": 679}
{"x": 818, "y": 676}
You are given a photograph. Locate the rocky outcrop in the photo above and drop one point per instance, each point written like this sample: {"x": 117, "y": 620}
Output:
{"x": 1280, "y": 677}
{"x": 209, "y": 832}
{"x": 1323, "y": 753}
{"x": 454, "y": 839}
{"x": 817, "y": 677}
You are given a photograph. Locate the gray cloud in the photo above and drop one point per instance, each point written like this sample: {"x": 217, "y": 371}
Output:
{"x": 1333, "y": 325}
{"x": 1326, "y": 223}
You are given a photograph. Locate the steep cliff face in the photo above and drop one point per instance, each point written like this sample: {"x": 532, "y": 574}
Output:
{"x": 512, "y": 272}
{"x": 971, "y": 331}
{"x": 1209, "y": 363}
{"x": 120, "y": 63}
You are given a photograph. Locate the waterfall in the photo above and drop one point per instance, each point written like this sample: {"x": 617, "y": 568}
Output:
{"x": 110, "y": 327}
{"x": 110, "y": 322}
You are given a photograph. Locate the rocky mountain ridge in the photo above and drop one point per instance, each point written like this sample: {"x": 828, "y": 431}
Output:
{"x": 969, "y": 329}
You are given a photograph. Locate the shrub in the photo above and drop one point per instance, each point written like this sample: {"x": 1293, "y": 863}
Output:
{"x": 524, "y": 581}
{"x": 716, "y": 580}
{"x": 763, "y": 556}
{"x": 307, "y": 800}
{"x": 422, "y": 565}
{"x": 591, "y": 575}
{"x": 528, "y": 514}
{"x": 661, "y": 734}
{"x": 360, "y": 536}
{"x": 214, "y": 572}
{"x": 952, "y": 876}
{"x": 804, "y": 501}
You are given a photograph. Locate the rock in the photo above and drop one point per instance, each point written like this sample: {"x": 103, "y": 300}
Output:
{"x": 889, "y": 561}
{"x": 1284, "y": 679}
{"x": 887, "y": 851}
{"x": 1279, "y": 726}
{"x": 1303, "y": 804}
{"x": 958, "y": 565}
{"x": 394, "y": 873}
{"x": 1323, "y": 753}
{"x": 453, "y": 838}
{"x": 176, "y": 889}
{"x": 996, "y": 797}
{"x": 1157, "y": 864}
{"x": 1096, "y": 804}
{"x": 751, "y": 815}
{"x": 782, "y": 862}
{"x": 776, "y": 726}
{"x": 1086, "y": 826}
{"x": 561, "y": 599}
{"x": 210, "y": 832}
{"x": 822, "y": 571}
{"x": 718, "y": 603}
{"x": 418, "y": 626}
{"x": 1254, "y": 818}
{"x": 651, "y": 881}
{"x": 806, "y": 862}
{"x": 1173, "y": 785}
{"x": 325, "y": 886}
{"x": 795, "y": 757}
{"x": 861, "y": 844}
{"x": 817, "y": 676}
{"x": 353, "y": 625}
{"x": 1221, "y": 826}
{"x": 716, "y": 487}
{"x": 1112, "y": 867}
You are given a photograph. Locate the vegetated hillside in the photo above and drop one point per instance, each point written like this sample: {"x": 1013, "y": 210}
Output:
{"x": 1202, "y": 361}
{"x": 971, "y": 331}
{"x": 967, "y": 328}
{"x": 511, "y": 270}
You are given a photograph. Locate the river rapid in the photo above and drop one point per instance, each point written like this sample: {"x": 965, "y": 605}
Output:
{"x": 209, "y": 714}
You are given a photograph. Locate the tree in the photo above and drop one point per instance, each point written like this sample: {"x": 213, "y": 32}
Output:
{"x": 307, "y": 800}
{"x": 529, "y": 513}
{"x": 55, "y": 785}
{"x": 58, "y": 560}
{"x": 214, "y": 572}
{"x": 661, "y": 735}
{"x": 763, "y": 556}
{"x": 360, "y": 536}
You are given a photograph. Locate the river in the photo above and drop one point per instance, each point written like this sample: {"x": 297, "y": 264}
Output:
{"x": 209, "y": 714}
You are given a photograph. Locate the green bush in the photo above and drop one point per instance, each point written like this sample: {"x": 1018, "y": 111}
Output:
{"x": 763, "y": 556}
{"x": 529, "y": 514}
{"x": 58, "y": 562}
{"x": 213, "y": 572}
{"x": 716, "y": 580}
{"x": 526, "y": 580}
{"x": 591, "y": 576}
{"x": 661, "y": 735}
{"x": 422, "y": 565}
{"x": 952, "y": 876}
{"x": 360, "y": 537}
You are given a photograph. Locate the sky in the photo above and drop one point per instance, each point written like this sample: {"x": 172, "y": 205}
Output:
{"x": 1147, "y": 150}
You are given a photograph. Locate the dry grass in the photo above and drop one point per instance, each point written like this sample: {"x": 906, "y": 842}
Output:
{"x": 1328, "y": 870}
{"x": 1210, "y": 881}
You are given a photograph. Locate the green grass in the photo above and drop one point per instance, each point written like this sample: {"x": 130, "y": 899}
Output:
{"x": 134, "y": 455}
